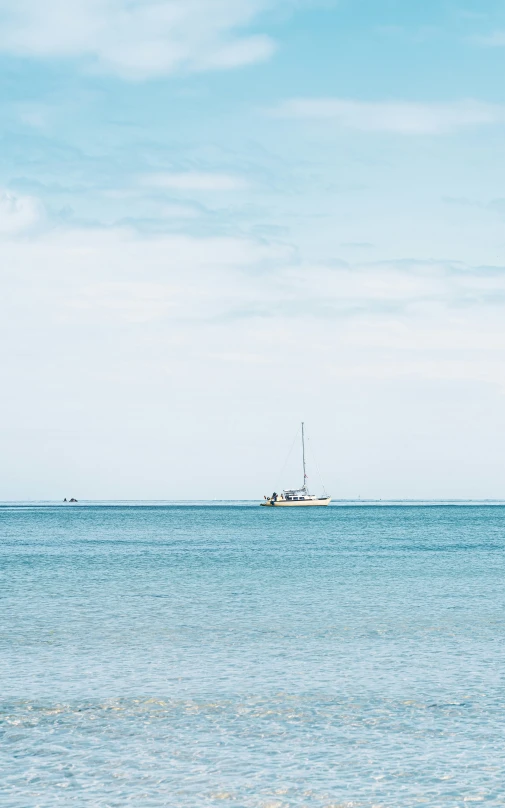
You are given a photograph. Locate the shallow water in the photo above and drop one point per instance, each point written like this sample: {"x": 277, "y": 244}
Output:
{"x": 228, "y": 654}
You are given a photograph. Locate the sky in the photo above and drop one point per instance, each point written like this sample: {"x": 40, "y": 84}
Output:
{"x": 219, "y": 218}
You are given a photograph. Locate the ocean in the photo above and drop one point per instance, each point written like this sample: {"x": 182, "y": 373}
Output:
{"x": 226, "y": 654}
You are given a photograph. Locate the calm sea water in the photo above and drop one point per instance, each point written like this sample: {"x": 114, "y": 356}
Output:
{"x": 245, "y": 656}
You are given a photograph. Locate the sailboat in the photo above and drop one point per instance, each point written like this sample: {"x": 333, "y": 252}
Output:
{"x": 297, "y": 496}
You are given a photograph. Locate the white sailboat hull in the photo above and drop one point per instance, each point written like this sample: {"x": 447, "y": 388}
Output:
{"x": 283, "y": 503}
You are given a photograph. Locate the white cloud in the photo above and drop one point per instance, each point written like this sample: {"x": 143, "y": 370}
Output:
{"x": 137, "y": 38}
{"x": 193, "y": 181}
{"x": 496, "y": 39}
{"x": 178, "y": 212}
{"x": 401, "y": 117}
{"x": 18, "y": 213}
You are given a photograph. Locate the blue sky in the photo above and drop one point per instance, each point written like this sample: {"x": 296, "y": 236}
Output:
{"x": 218, "y": 217}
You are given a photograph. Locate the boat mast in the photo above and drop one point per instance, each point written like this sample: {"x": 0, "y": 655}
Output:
{"x": 303, "y": 455}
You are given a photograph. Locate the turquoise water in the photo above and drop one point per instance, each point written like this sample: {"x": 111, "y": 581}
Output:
{"x": 244, "y": 656}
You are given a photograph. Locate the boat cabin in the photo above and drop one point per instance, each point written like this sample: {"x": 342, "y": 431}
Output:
{"x": 299, "y": 495}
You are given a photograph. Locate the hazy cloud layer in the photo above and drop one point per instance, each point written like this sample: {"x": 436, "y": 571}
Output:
{"x": 108, "y": 334}
{"x": 141, "y": 277}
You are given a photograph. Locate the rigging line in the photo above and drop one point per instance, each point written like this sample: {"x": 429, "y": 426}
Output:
{"x": 317, "y": 469}
{"x": 287, "y": 458}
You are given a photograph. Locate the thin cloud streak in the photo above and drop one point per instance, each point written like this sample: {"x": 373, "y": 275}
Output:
{"x": 193, "y": 181}
{"x": 495, "y": 39}
{"x": 398, "y": 117}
